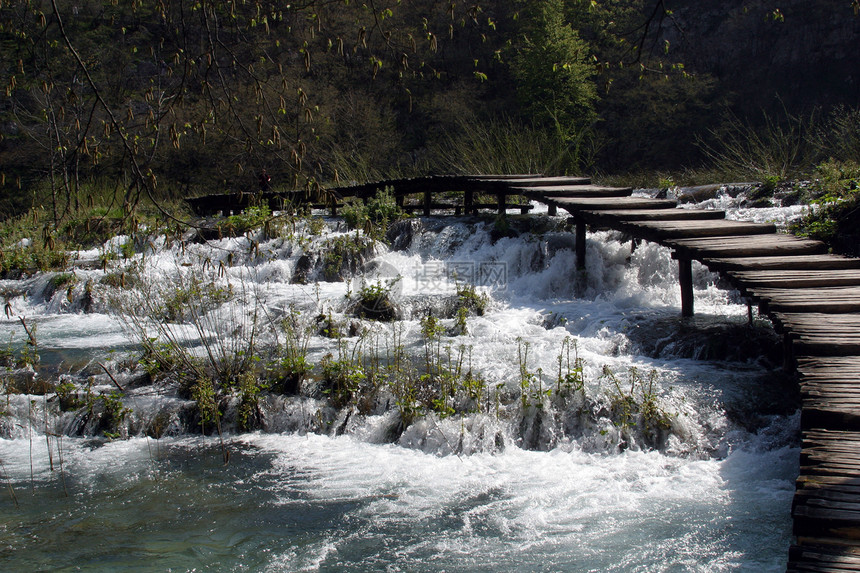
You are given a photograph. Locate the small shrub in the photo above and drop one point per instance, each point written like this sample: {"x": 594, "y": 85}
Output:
{"x": 472, "y": 301}
{"x": 67, "y": 395}
{"x": 114, "y": 414}
{"x": 248, "y": 220}
{"x": 342, "y": 378}
{"x": 375, "y": 216}
{"x": 836, "y": 195}
{"x": 375, "y": 302}
{"x": 343, "y": 255}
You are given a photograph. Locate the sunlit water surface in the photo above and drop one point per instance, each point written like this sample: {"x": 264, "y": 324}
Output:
{"x": 717, "y": 498}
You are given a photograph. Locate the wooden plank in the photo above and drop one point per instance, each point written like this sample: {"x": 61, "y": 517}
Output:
{"x": 827, "y": 300}
{"x": 572, "y": 191}
{"x": 752, "y": 246}
{"x": 797, "y": 278}
{"x": 658, "y": 231}
{"x": 625, "y": 215}
{"x": 827, "y": 345}
{"x": 797, "y": 262}
{"x": 573, "y": 205}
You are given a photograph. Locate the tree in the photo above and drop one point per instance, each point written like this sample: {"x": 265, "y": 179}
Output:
{"x": 553, "y": 68}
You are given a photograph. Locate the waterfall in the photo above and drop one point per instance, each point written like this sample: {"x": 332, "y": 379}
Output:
{"x": 516, "y": 410}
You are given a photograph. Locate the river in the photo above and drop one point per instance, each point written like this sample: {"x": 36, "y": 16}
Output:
{"x": 522, "y": 481}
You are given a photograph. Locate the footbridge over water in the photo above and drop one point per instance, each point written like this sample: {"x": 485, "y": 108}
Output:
{"x": 812, "y": 297}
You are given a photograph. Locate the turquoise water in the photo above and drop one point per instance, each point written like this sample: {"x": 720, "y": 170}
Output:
{"x": 716, "y": 497}
{"x": 314, "y": 503}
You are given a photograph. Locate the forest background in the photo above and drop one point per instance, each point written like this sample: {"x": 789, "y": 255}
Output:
{"x": 131, "y": 102}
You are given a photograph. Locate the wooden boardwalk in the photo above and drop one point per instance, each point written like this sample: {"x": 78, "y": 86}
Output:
{"x": 812, "y": 297}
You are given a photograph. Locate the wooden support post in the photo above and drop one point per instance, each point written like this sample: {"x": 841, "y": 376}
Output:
{"x": 468, "y": 201}
{"x": 334, "y": 208}
{"x": 552, "y": 210}
{"x": 398, "y": 199}
{"x": 580, "y": 244}
{"x": 500, "y": 199}
{"x": 634, "y": 244}
{"x": 685, "y": 274}
{"x": 524, "y": 210}
{"x": 428, "y": 199}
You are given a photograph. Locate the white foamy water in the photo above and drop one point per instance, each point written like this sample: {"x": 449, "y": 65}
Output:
{"x": 560, "y": 486}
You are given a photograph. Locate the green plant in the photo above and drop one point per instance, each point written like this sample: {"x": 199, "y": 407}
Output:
{"x": 289, "y": 365}
{"x": 528, "y": 379}
{"x": 835, "y": 198}
{"x": 553, "y": 69}
{"x": 67, "y": 396}
{"x": 779, "y": 148}
{"x": 343, "y": 377}
{"x": 839, "y": 137}
{"x": 571, "y": 376}
{"x": 203, "y": 394}
{"x": 638, "y": 406}
{"x": 114, "y": 414}
{"x": 505, "y": 145}
{"x": 248, "y": 386}
{"x": 471, "y": 301}
{"x": 374, "y": 214}
{"x": 251, "y": 218}
{"x": 342, "y": 255}
{"x": 375, "y": 302}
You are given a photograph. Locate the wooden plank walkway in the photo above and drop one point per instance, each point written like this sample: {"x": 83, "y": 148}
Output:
{"x": 813, "y": 298}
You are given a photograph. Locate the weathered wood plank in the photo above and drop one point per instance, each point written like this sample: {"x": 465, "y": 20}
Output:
{"x": 788, "y": 320}
{"x": 572, "y": 191}
{"x": 573, "y": 205}
{"x": 797, "y": 262}
{"x": 752, "y": 246}
{"x": 624, "y": 215}
{"x": 797, "y": 278}
{"x": 827, "y": 300}
{"x": 658, "y": 231}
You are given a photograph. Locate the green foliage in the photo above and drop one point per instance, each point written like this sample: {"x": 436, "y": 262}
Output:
{"x": 505, "y": 145}
{"x": 553, "y": 69}
{"x": 114, "y": 413}
{"x": 289, "y": 366}
{"x": 571, "y": 378}
{"x": 835, "y": 199}
{"x": 638, "y": 405}
{"x": 343, "y": 254}
{"x": 343, "y": 376}
{"x": 531, "y": 383}
{"x": 839, "y": 137}
{"x": 472, "y": 301}
{"x": 375, "y": 215}
{"x": 203, "y": 394}
{"x": 194, "y": 295}
{"x": 375, "y": 302}
{"x": 248, "y": 387}
{"x": 251, "y": 218}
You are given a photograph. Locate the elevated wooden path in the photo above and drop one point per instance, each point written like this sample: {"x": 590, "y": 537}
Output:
{"x": 812, "y": 297}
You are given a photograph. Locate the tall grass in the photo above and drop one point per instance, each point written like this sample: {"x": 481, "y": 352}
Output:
{"x": 778, "y": 147}
{"x": 506, "y": 146}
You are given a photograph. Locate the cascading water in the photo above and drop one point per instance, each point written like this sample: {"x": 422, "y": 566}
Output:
{"x": 595, "y": 431}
